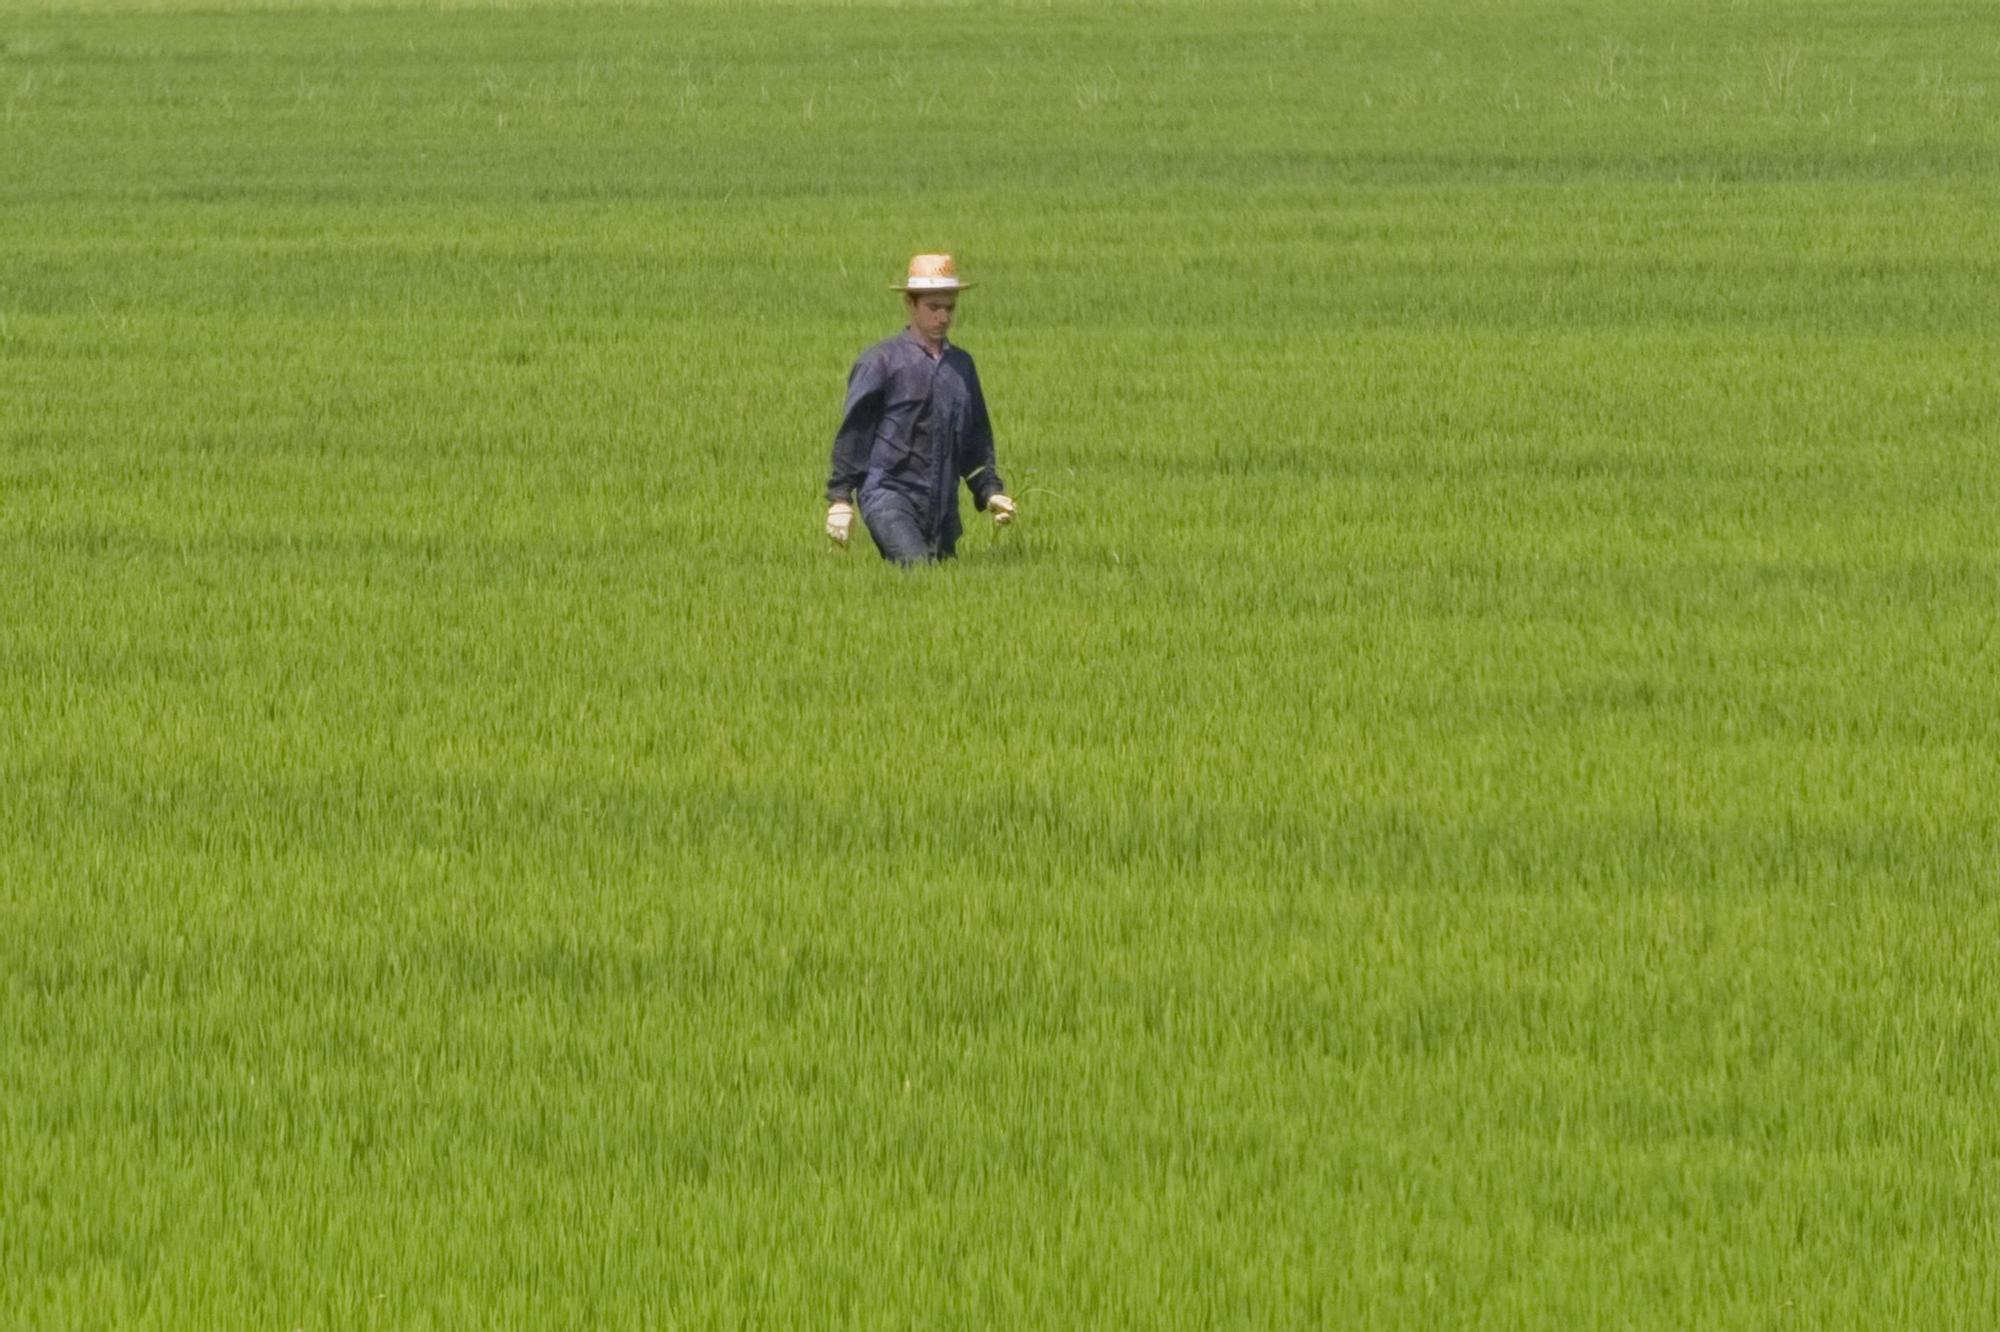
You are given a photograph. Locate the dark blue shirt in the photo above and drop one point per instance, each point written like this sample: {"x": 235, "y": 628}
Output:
{"x": 913, "y": 426}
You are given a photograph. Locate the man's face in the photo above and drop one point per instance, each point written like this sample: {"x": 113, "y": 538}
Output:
{"x": 930, "y": 313}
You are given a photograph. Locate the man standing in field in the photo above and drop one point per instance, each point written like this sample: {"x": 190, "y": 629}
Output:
{"x": 915, "y": 422}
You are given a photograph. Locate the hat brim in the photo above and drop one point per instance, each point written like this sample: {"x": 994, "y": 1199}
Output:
{"x": 920, "y": 286}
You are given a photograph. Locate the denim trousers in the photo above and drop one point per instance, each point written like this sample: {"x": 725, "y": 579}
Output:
{"x": 901, "y": 538}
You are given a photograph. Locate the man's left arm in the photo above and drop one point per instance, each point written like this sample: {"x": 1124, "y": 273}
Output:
{"x": 975, "y": 450}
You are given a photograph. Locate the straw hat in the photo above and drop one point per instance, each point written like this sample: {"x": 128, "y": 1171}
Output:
{"x": 931, "y": 272}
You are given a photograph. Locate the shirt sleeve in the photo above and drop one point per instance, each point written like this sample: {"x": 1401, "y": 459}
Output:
{"x": 975, "y": 450}
{"x": 855, "y": 439}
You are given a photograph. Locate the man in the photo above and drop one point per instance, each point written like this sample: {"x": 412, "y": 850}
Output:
{"x": 915, "y": 422}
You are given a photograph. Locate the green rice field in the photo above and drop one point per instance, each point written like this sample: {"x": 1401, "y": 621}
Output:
{"x": 1470, "y": 797}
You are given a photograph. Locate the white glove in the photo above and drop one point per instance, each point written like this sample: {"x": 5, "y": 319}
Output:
{"x": 839, "y": 522}
{"x": 1001, "y": 508}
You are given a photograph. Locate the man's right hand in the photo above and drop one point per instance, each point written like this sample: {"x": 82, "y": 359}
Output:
{"x": 839, "y": 522}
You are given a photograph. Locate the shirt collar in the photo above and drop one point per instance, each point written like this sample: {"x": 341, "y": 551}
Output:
{"x": 910, "y": 336}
